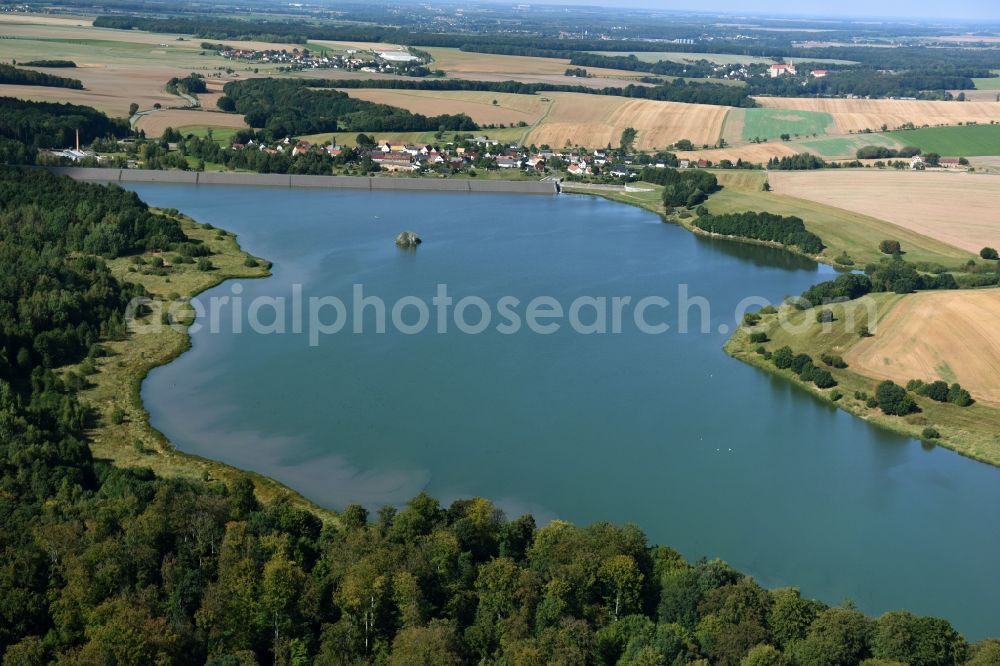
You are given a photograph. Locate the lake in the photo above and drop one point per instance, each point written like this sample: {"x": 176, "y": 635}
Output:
{"x": 706, "y": 454}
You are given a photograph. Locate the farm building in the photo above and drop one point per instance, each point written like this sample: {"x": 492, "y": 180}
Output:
{"x": 780, "y": 69}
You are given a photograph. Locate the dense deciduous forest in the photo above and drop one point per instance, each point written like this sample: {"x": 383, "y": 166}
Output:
{"x": 700, "y": 68}
{"x": 54, "y": 125}
{"x": 288, "y": 107}
{"x": 768, "y": 227}
{"x": 26, "y": 77}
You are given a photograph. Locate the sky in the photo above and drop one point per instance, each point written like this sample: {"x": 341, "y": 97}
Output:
{"x": 965, "y": 10}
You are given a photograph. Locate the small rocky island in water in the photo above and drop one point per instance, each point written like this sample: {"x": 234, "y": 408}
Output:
{"x": 408, "y": 239}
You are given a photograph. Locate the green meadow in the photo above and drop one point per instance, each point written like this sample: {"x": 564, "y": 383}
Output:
{"x": 960, "y": 140}
{"x": 772, "y": 123}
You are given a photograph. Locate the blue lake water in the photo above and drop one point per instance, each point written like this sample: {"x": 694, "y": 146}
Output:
{"x": 706, "y": 454}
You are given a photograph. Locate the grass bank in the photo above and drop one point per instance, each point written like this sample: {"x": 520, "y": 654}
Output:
{"x": 122, "y": 433}
{"x": 971, "y": 431}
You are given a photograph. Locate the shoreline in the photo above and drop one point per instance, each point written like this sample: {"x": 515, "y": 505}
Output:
{"x": 370, "y": 183}
{"x": 954, "y": 435}
{"x": 609, "y": 194}
{"x": 121, "y": 373}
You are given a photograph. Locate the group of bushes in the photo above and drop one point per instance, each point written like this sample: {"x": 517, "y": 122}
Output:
{"x": 940, "y": 391}
{"x": 802, "y": 365}
{"x": 192, "y": 84}
{"x": 895, "y": 400}
{"x": 688, "y": 187}
{"x": 892, "y": 275}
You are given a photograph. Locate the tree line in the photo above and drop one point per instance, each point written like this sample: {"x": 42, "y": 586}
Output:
{"x": 768, "y": 227}
{"x": 881, "y": 152}
{"x": 27, "y": 77}
{"x": 289, "y": 107}
{"x": 697, "y": 69}
{"x": 679, "y": 90}
{"x": 49, "y": 63}
{"x": 866, "y": 83}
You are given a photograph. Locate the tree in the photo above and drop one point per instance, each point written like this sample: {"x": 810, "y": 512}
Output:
{"x": 783, "y": 357}
{"x": 279, "y": 594}
{"x": 989, "y": 253}
{"x": 133, "y": 108}
{"x": 364, "y": 141}
{"x": 432, "y": 645}
{"x": 628, "y": 139}
{"x": 893, "y": 400}
{"x": 791, "y": 615}
{"x": 762, "y": 655}
{"x": 889, "y": 247}
{"x": 837, "y": 637}
{"x": 823, "y": 378}
{"x": 936, "y": 390}
{"x": 623, "y": 580}
{"x": 985, "y": 653}
{"x": 917, "y": 641}
{"x": 959, "y": 396}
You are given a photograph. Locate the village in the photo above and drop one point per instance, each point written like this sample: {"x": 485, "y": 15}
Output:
{"x": 389, "y": 62}
{"x": 470, "y": 154}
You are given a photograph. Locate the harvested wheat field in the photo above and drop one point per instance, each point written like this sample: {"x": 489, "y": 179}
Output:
{"x": 490, "y": 67}
{"x": 509, "y": 108}
{"x": 750, "y": 152}
{"x": 594, "y": 121}
{"x": 955, "y": 208}
{"x": 154, "y": 123}
{"x": 860, "y": 114}
{"x": 954, "y": 336}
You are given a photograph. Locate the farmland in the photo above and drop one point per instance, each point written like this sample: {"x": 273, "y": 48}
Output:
{"x": 717, "y": 58}
{"x": 489, "y": 67}
{"x": 116, "y": 67}
{"x": 153, "y": 124}
{"x": 855, "y": 115}
{"x": 954, "y": 208}
{"x": 846, "y": 146}
{"x": 772, "y": 123}
{"x": 508, "y": 108}
{"x": 992, "y": 83}
{"x": 596, "y": 121}
{"x": 912, "y": 343}
{"x": 966, "y": 141}
{"x": 841, "y": 230}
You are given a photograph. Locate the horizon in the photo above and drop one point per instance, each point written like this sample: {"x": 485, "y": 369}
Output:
{"x": 904, "y": 11}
